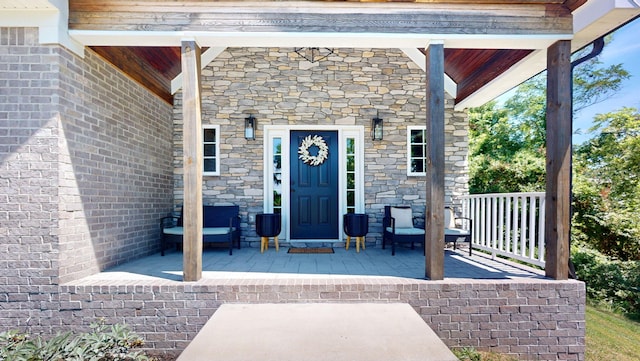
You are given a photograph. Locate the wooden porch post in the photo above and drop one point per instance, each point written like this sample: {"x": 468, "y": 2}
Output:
{"x": 558, "y": 193}
{"x": 434, "y": 232}
{"x": 192, "y": 147}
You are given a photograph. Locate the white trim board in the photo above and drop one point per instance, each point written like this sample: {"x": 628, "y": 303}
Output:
{"x": 283, "y": 132}
{"x": 590, "y": 21}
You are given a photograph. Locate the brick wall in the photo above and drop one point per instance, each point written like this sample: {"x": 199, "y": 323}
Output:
{"x": 349, "y": 88}
{"x": 529, "y": 319}
{"x": 115, "y": 166}
{"x": 85, "y": 173}
{"x": 28, "y": 180}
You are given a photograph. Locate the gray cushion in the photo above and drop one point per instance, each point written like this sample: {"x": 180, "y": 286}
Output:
{"x": 407, "y": 231}
{"x": 207, "y": 231}
{"x": 455, "y": 232}
{"x": 403, "y": 217}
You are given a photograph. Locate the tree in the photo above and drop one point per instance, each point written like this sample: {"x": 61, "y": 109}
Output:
{"x": 592, "y": 84}
{"x": 501, "y": 162}
{"x": 607, "y": 185}
{"x": 507, "y": 151}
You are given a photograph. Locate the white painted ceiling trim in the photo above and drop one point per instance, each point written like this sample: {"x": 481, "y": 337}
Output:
{"x": 598, "y": 17}
{"x": 419, "y": 58}
{"x": 329, "y": 40}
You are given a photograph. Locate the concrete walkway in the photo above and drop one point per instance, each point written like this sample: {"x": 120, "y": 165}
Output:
{"x": 316, "y": 332}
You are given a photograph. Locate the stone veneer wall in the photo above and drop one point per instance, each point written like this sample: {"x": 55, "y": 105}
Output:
{"x": 278, "y": 87}
{"x": 529, "y": 319}
{"x": 85, "y": 159}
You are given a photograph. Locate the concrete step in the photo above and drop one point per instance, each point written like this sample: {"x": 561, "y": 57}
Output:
{"x": 316, "y": 332}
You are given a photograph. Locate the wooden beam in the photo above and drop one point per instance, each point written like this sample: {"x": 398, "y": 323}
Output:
{"x": 558, "y": 193}
{"x": 464, "y": 17}
{"x": 434, "y": 232}
{"x": 192, "y": 162}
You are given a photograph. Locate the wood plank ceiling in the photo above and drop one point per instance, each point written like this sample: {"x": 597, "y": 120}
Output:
{"x": 155, "y": 66}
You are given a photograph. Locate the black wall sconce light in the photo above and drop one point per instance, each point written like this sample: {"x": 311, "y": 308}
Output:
{"x": 250, "y": 127}
{"x": 376, "y": 128}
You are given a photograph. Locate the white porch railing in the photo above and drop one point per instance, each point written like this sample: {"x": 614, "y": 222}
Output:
{"x": 508, "y": 224}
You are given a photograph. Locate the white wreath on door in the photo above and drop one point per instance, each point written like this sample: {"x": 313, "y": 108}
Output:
{"x": 308, "y": 142}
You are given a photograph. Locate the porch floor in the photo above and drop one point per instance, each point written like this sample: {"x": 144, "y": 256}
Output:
{"x": 249, "y": 263}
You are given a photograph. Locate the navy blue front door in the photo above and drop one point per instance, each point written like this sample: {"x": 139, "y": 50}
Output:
{"x": 314, "y": 188}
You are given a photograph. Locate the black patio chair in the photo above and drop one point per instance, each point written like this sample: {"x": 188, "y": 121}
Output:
{"x": 399, "y": 227}
{"x": 456, "y": 231}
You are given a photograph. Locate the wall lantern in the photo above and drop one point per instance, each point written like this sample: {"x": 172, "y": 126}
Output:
{"x": 250, "y": 127}
{"x": 376, "y": 128}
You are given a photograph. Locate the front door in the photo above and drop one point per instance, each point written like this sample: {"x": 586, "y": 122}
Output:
{"x": 314, "y": 184}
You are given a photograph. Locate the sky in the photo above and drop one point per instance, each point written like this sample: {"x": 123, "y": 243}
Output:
{"x": 623, "y": 49}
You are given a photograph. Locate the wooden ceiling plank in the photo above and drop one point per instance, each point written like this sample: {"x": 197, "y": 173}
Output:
{"x": 137, "y": 69}
{"x": 484, "y": 72}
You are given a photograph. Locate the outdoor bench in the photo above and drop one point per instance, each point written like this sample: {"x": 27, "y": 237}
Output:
{"x": 221, "y": 224}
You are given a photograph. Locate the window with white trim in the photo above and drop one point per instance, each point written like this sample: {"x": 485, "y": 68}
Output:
{"x": 277, "y": 175}
{"x": 417, "y": 151}
{"x": 350, "y": 156}
{"x": 211, "y": 149}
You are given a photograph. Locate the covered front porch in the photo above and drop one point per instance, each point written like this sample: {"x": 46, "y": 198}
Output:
{"x": 485, "y": 303}
{"x": 372, "y": 263}
{"x": 125, "y": 155}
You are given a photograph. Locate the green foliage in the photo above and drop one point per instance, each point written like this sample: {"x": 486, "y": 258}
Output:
{"x": 467, "y": 354}
{"x": 528, "y": 108}
{"x": 103, "y": 343}
{"x": 507, "y": 154}
{"x": 501, "y": 161}
{"x": 610, "y": 283}
{"x": 607, "y": 185}
{"x": 525, "y": 172}
{"x": 492, "y": 133}
{"x": 593, "y": 84}
{"x": 470, "y": 354}
{"x": 507, "y": 144}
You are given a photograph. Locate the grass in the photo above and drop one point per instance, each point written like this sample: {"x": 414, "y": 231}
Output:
{"x": 611, "y": 337}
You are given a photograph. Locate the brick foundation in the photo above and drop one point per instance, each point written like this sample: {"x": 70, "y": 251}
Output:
{"x": 532, "y": 320}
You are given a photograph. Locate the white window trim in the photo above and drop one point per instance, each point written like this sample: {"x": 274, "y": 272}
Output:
{"x": 217, "y": 129}
{"x": 409, "y": 129}
{"x": 358, "y": 135}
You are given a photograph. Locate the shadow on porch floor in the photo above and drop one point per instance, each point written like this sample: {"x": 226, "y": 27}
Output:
{"x": 249, "y": 263}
